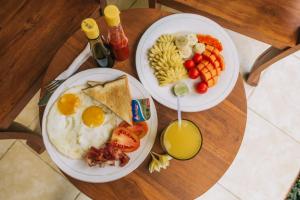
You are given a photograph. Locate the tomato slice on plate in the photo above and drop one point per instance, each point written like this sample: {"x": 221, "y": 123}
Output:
{"x": 125, "y": 139}
{"x": 139, "y": 128}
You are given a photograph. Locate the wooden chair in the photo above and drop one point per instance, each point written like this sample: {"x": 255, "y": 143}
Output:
{"x": 30, "y": 34}
{"x": 274, "y": 22}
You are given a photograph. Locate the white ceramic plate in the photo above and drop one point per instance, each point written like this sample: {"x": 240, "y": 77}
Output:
{"x": 78, "y": 169}
{"x": 195, "y": 24}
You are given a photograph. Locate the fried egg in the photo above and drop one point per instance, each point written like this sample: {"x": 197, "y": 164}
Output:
{"x": 76, "y": 122}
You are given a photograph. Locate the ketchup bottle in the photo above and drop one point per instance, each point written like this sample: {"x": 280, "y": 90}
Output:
{"x": 116, "y": 36}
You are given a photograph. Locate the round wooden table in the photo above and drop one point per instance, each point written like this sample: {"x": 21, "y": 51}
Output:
{"x": 222, "y": 128}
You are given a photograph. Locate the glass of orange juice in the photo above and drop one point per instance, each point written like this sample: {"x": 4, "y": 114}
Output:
{"x": 181, "y": 142}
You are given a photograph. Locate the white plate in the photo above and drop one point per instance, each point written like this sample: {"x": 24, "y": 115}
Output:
{"x": 78, "y": 169}
{"x": 195, "y": 24}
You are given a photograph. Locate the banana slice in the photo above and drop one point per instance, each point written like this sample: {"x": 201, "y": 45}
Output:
{"x": 192, "y": 38}
{"x": 181, "y": 42}
{"x": 186, "y": 52}
{"x": 199, "y": 48}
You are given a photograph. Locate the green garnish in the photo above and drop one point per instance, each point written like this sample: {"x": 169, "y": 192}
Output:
{"x": 180, "y": 89}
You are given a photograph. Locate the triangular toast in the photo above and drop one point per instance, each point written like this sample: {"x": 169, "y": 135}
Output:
{"x": 115, "y": 95}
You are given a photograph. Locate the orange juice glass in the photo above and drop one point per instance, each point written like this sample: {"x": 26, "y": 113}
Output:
{"x": 181, "y": 142}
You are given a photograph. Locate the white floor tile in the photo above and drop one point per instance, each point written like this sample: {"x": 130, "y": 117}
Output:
{"x": 30, "y": 112}
{"x": 35, "y": 125}
{"x": 277, "y": 97}
{"x": 248, "y": 89}
{"x": 44, "y": 156}
{"x": 266, "y": 165}
{"x": 82, "y": 197}
{"x": 297, "y": 54}
{"x": 248, "y": 49}
{"x": 4, "y": 146}
{"x": 24, "y": 176}
{"x": 217, "y": 192}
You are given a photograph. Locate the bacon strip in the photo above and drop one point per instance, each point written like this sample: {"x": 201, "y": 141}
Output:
{"x": 106, "y": 156}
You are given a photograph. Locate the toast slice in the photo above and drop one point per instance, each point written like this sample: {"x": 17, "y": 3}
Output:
{"x": 115, "y": 95}
{"x": 94, "y": 83}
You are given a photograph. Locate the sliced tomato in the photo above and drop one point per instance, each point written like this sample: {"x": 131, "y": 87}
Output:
{"x": 125, "y": 139}
{"x": 138, "y": 128}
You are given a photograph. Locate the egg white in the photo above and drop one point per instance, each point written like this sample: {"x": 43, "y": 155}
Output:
{"x": 70, "y": 135}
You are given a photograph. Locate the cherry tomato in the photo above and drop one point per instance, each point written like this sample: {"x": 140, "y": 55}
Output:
{"x": 138, "y": 128}
{"x": 125, "y": 140}
{"x": 201, "y": 87}
{"x": 194, "y": 73}
{"x": 189, "y": 64}
{"x": 197, "y": 58}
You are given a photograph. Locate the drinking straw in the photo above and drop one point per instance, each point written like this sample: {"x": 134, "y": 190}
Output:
{"x": 178, "y": 111}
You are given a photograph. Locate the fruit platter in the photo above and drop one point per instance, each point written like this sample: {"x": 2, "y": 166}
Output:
{"x": 189, "y": 49}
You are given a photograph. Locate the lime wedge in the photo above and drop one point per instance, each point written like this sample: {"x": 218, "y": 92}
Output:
{"x": 180, "y": 89}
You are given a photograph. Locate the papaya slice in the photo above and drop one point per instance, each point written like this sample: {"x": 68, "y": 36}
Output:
{"x": 205, "y": 70}
{"x": 212, "y": 70}
{"x": 219, "y": 71}
{"x": 205, "y": 62}
{"x": 209, "y": 40}
{"x": 216, "y": 78}
{"x": 222, "y": 64}
{"x": 210, "y": 82}
{"x": 216, "y": 64}
{"x": 205, "y": 75}
{"x": 200, "y": 66}
{"x": 213, "y": 81}
{"x": 209, "y": 48}
{"x": 212, "y": 50}
{"x": 212, "y": 58}
{"x": 206, "y": 54}
{"x": 210, "y": 67}
{"x": 209, "y": 56}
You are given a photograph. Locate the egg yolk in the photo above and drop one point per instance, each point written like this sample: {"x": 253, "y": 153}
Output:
{"x": 93, "y": 116}
{"x": 68, "y": 103}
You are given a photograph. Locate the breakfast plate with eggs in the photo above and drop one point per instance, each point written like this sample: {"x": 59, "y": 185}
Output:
{"x": 88, "y": 127}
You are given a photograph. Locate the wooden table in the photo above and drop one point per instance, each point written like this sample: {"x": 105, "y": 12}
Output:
{"x": 222, "y": 127}
{"x": 31, "y": 32}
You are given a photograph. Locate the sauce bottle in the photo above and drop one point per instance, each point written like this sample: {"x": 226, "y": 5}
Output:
{"x": 100, "y": 53}
{"x": 116, "y": 36}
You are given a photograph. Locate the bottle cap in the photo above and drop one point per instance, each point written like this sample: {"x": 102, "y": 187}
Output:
{"x": 90, "y": 28}
{"x": 112, "y": 15}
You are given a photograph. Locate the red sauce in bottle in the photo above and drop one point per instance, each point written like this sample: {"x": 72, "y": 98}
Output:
{"x": 116, "y": 36}
{"x": 118, "y": 42}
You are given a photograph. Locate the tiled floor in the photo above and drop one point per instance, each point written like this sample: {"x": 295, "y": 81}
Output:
{"x": 264, "y": 169}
